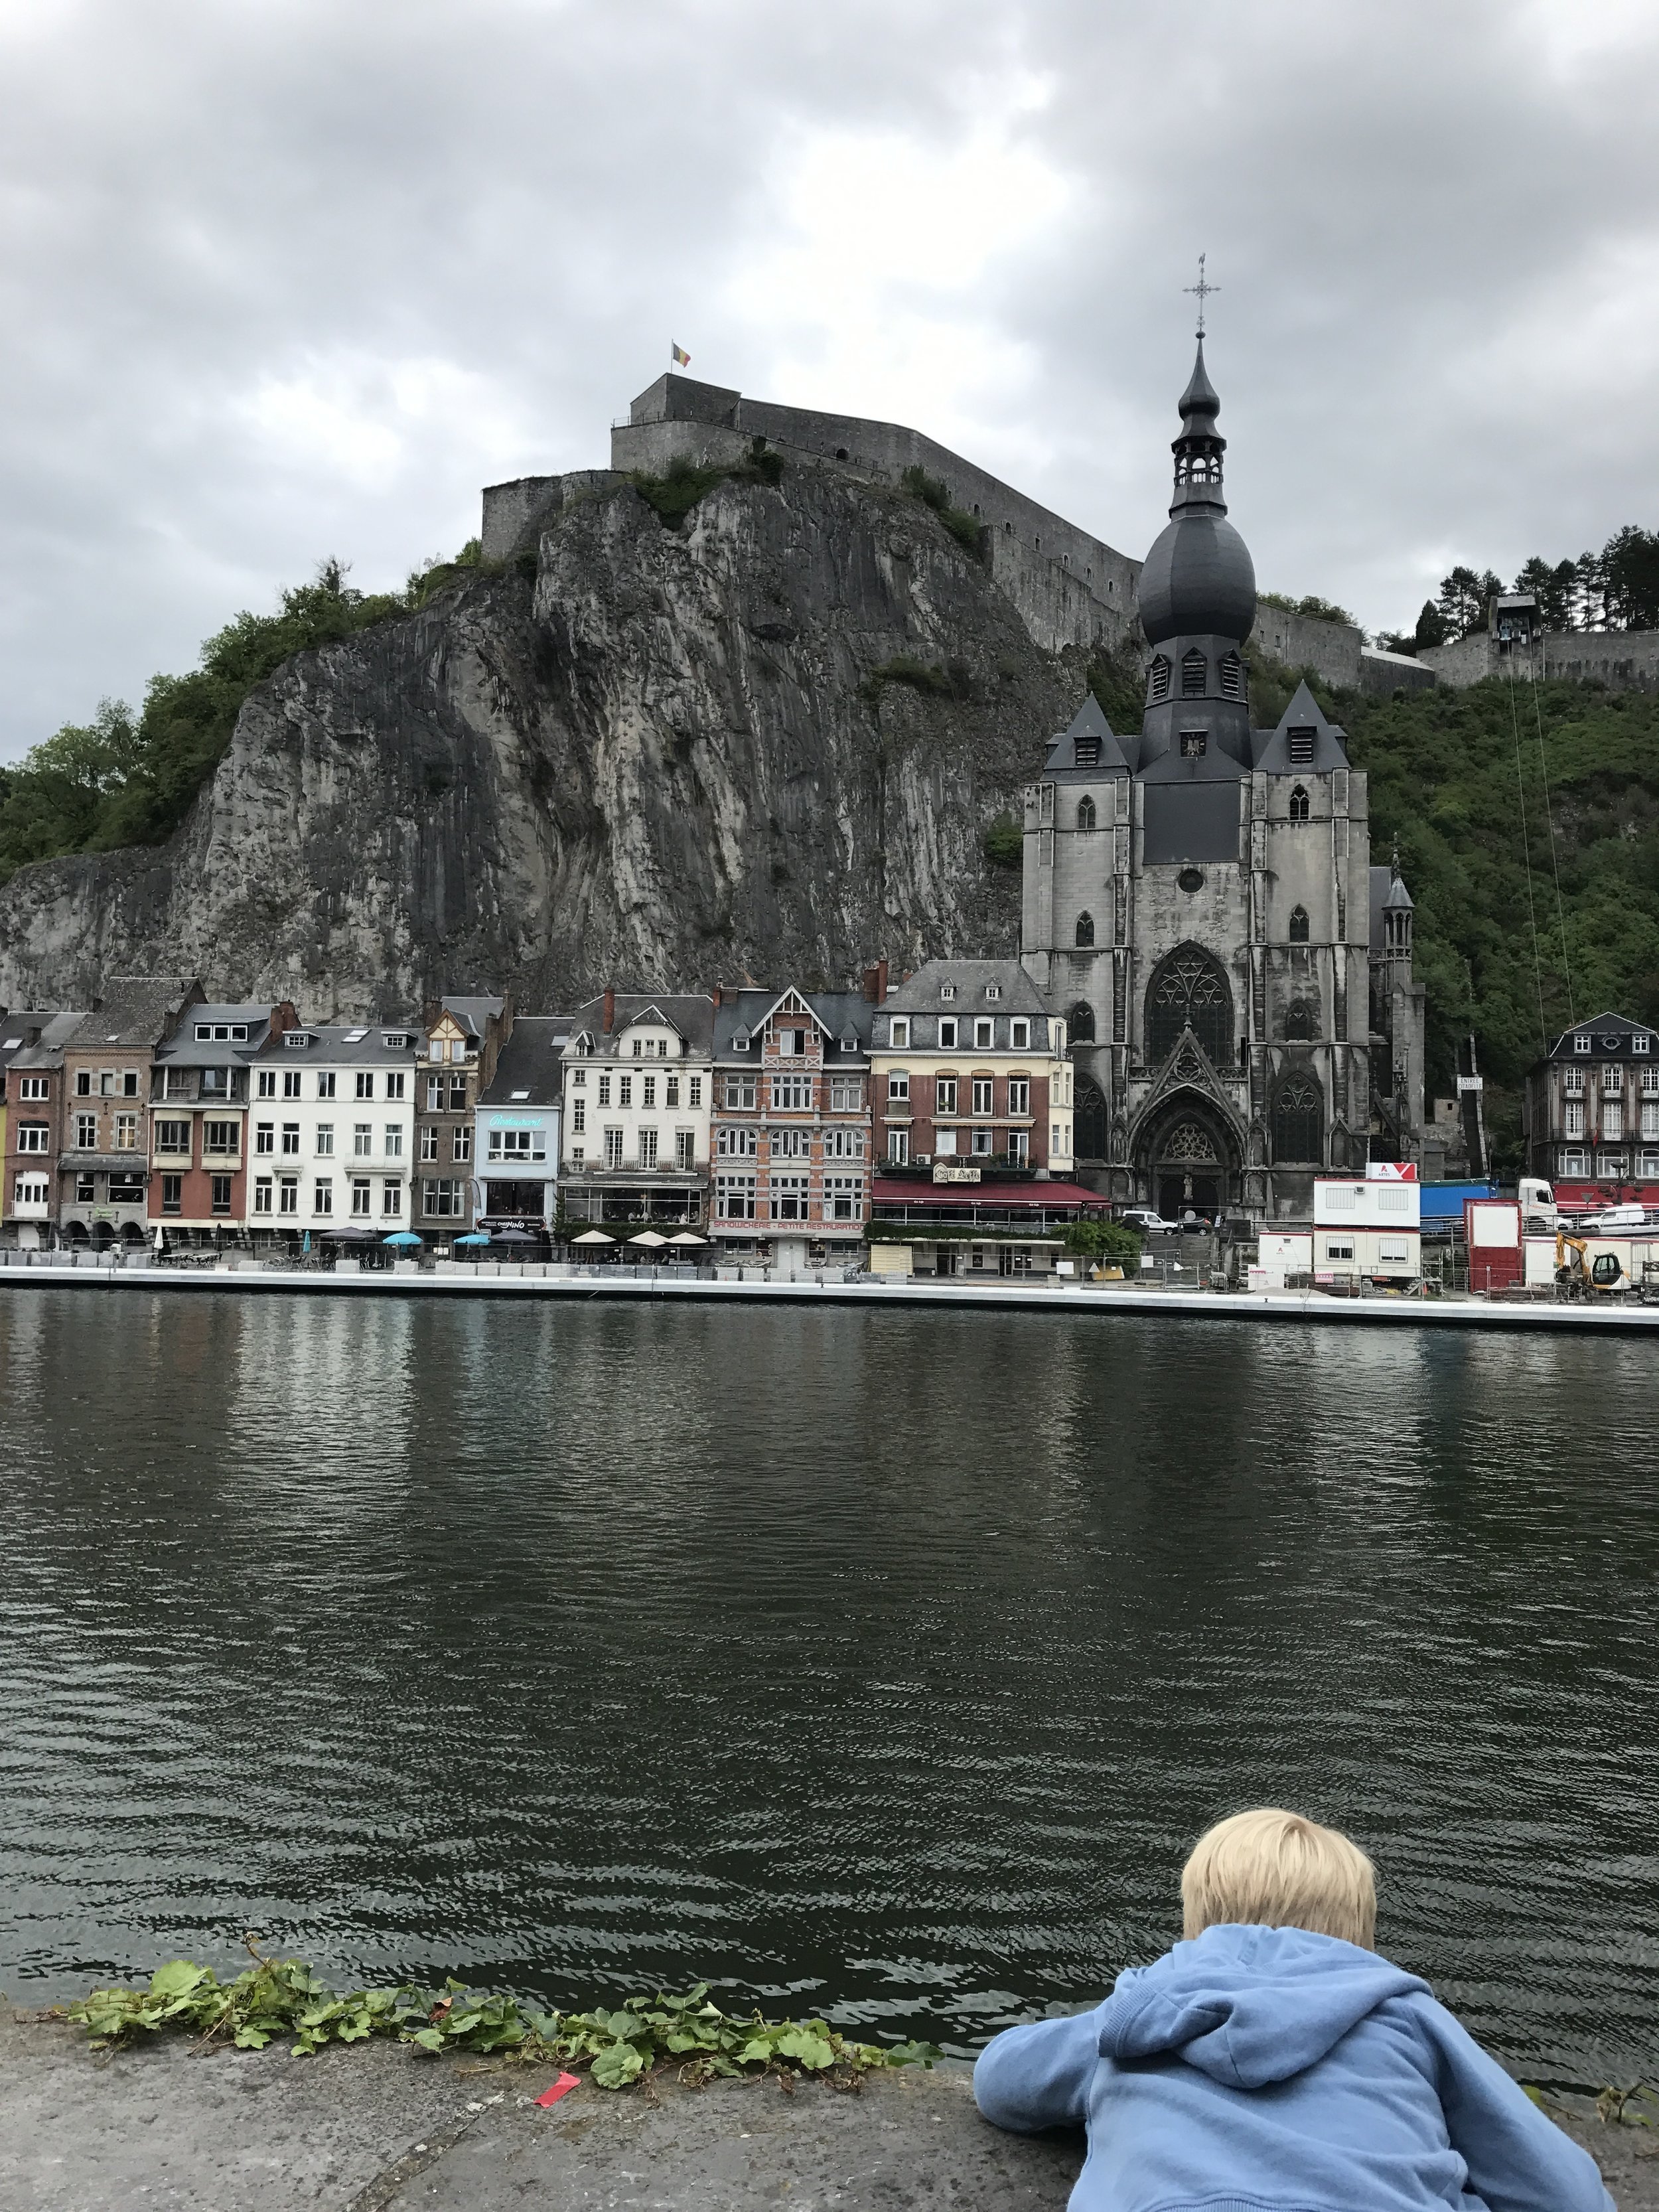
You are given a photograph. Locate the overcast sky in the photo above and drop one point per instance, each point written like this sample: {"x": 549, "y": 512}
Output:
{"x": 287, "y": 278}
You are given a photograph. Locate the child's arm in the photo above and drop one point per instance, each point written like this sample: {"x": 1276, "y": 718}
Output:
{"x": 1518, "y": 2160}
{"x": 1038, "y": 2076}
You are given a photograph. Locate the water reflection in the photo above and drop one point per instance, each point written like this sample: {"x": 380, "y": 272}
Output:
{"x": 892, "y": 1658}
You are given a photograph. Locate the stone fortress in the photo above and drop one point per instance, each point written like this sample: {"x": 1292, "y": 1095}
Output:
{"x": 1199, "y": 901}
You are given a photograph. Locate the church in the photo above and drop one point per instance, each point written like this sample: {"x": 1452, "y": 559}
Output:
{"x": 1199, "y": 904}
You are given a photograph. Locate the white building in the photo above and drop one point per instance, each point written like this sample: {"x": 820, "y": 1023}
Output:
{"x": 332, "y": 1120}
{"x": 638, "y": 1089}
{"x": 516, "y": 1140}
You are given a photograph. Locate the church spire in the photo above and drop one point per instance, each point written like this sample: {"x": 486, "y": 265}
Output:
{"x": 1199, "y": 448}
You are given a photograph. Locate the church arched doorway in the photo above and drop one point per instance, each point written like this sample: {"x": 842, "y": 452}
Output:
{"x": 1188, "y": 989}
{"x": 1190, "y": 1159}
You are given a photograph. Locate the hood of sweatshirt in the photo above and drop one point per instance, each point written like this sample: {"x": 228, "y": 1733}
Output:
{"x": 1248, "y": 2006}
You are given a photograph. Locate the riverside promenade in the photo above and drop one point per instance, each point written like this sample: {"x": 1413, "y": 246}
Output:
{"x": 1060, "y": 1294}
{"x": 377, "y": 2129}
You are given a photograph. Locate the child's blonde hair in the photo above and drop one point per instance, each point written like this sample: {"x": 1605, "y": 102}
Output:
{"x": 1274, "y": 1869}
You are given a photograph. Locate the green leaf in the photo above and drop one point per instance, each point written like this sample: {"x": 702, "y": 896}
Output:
{"x": 806, "y": 2049}
{"x": 429, "y": 2038}
{"x": 618, "y": 2064}
{"x": 177, "y": 1978}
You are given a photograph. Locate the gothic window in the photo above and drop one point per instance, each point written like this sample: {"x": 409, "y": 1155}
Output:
{"x": 1299, "y": 805}
{"x": 1232, "y": 677}
{"x": 1158, "y": 681}
{"x": 1298, "y": 925}
{"x": 1188, "y": 988}
{"x": 1194, "y": 673}
{"x": 1299, "y": 1022}
{"x": 1086, "y": 813}
{"x": 1298, "y": 1118}
{"x": 1086, "y": 929}
{"x": 1080, "y": 1023}
{"x": 1089, "y": 1121}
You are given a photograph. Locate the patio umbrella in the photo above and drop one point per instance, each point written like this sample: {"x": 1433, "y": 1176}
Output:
{"x": 592, "y": 1236}
{"x": 474, "y": 1236}
{"x": 350, "y": 1235}
{"x": 647, "y": 1236}
{"x": 686, "y": 1236}
{"x": 513, "y": 1237}
{"x": 402, "y": 1237}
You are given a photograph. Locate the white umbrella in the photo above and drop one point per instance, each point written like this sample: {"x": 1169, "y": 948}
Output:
{"x": 647, "y": 1236}
{"x": 592, "y": 1236}
{"x": 686, "y": 1236}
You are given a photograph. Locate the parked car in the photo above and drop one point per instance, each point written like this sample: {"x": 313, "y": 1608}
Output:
{"x": 1147, "y": 1222}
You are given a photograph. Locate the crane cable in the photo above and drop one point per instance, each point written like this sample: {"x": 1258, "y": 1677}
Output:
{"x": 1555, "y": 865}
{"x": 1526, "y": 854}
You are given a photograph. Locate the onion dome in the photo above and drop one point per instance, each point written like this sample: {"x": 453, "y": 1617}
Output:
{"x": 1198, "y": 580}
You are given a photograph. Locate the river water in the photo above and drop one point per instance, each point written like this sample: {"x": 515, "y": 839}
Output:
{"x": 885, "y": 1663}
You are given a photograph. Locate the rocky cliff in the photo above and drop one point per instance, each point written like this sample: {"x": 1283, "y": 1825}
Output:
{"x": 764, "y": 740}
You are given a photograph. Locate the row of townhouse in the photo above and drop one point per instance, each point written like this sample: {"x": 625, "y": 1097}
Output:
{"x": 757, "y": 1118}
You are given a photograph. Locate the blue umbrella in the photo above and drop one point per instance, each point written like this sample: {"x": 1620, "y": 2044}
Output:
{"x": 403, "y": 1237}
{"x": 477, "y": 1237}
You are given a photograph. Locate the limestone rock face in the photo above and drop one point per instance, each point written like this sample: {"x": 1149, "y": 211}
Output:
{"x": 668, "y": 756}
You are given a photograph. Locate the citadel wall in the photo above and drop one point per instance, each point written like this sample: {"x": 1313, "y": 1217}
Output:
{"x": 1624, "y": 660}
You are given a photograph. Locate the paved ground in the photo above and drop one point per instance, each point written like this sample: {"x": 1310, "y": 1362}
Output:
{"x": 378, "y": 2129}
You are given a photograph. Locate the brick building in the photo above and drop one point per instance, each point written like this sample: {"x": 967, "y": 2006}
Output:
{"x": 32, "y": 1046}
{"x": 198, "y": 1118}
{"x": 463, "y": 1041}
{"x": 1591, "y": 1113}
{"x": 792, "y": 1133}
{"x": 103, "y": 1166}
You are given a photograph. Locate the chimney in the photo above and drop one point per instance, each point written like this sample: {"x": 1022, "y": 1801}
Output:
{"x": 610, "y": 1011}
{"x": 717, "y": 996}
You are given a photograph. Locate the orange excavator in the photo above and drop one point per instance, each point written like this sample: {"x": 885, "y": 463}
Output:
{"x": 1577, "y": 1276}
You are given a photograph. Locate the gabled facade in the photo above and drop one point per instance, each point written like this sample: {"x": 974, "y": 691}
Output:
{"x": 516, "y": 1139}
{"x": 198, "y": 1117}
{"x": 637, "y": 1078}
{"x": 31, "y": 1048}
{"x": 332, "y": 1121}
{"x": 104, "y": 1166}
{"x": 791, "y": 1124}
{"x": 462, "y": 1039}
{"x": 971, "y": 1076}
{"x": 1197, "y": 905}
{"x": 1590, "y": 1115}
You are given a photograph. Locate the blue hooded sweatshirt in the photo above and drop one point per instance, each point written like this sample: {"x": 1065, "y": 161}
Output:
{"x": 1267, "y": 2069}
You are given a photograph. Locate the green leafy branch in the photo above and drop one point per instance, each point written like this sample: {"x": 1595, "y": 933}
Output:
{"x": 283, "y": 1997}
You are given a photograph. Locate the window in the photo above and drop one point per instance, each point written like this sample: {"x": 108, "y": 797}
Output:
{"x": 1573, "y": 1082}
{"x": 694, "y": 1086}
{"x": 264, "y": 1136}
{"x": 173, "y": 1194}
{"x": 1339, "y": 1248}
{"x": 1194, "y": 673}
{"x": 362, "y": 1140}
{"x": 393, "y": 1148}
{"x": 1086, "y": 813}
{"x": 84, "y": 1084}
{"x": 898, "y": 1087}
{"x": 428, "y": 1144}
{"x": 322, "y": 1195}
{"x": 1085, "y": 928}
{"x": 86, "y": 1188}
{"x": 1647, "y": 1167}
{"x": 843, "y": 1144}
{"x": 1575, "y": 1118}
{"x": 126, "y": 1133}
{"x": 945, "y": 1095}
{"x": 740, "y": 1094}
{"x": 624, "y": 1090}
{"x": 443, "y": 1199}
{"x": 685, "y": 1149}
{"x": 1639, "y": 1044}
{"x": 458, "y": 1048}
{"x": 1651, "y": 1118}
{"x": 1020, "y": 1035}
{"x": 129, "y": 1083}
{"x": 1393, "y": 1250}
{"x": 518, "y": 1143}
{"x": 362, "y": 1197}
{"x": 435, "y": 1048}
{"x": 1299, "y": 1022}
{"x": 219, "y": 1189}
{"x": 947, "y": 1033}
{"x": 262, "y": 1193}
{"x": 947, "y": 991}
{"x": 900, "y": 1033}
{"x": 737, "y": 1144}
{"x": 1189, "y": 989}
{"x": 434, "y": 1094}
{"x": 222, "y": 1140}
{"x": 791, "y": 1143}
{"x": 1650, "y": 1082}
{"x": 843, "y": 1198}
{"x": 287, "y": 1194}
{"x": 613, "y": 1148}
{"x": 1612, "y": 1119}
{"x": 1581, "y": 1042}
{"x": 1019, "y": 1094}
{"x": 847, "y": 1093}
{"x": 365, "y": 1085}
{"x": 1301, "y": 743}
{"x": 296, "y": 1040}
{"x": 266, "y": 1087}
{"x": 86, "y": 1132}
{"x": 461, "y": 1147}
{"x": 392, "y": 1197}
{"x": 579, "y": 1078}
{"x": 981, "y": 1094}
{"x": 1299, "y": 805}
{"x": 1572, "y": 1163}
{"x": 1298, "y": 1119}
{"x": 1232, "y": 677}
{"x": 326, "y": 1081}
{"x": 290, "y": 1083}
{"x": 792, "y": 1093}
{"x": 734, "y": 1198}
{"x": 290, "y": 1138}
{"x": 638, "y": 1049}
{"x": 671, "y": 1090}
{"x": 1158, "y": 679}
{"x": 396, "y": 1083}
{"x": 31, "y": 1087}
{"x": 983, "y": 1035}
{"x": 898, "y": 1147}
{"x": 1607, "y": 1163}
{"x": 788, "y": 1196}
{"x": 648, "y": 1146}
{"x": 579, "y": 1118}
{"x": 982, "y": 1143}
{"x": 1020, "y": 1147}
{"x": 1195, "y": 744}
{"x": 1298, "y": 925}
{"x": 173, "y": 1137}
{"x": 649, "y": 1091}
{"x": 1612, "y": 1082}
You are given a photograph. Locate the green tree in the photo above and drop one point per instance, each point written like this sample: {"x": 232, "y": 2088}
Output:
{"x": 1630, "y": 573}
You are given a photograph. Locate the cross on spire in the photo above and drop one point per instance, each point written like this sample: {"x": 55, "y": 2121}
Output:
{"x": 1203, "y": 289}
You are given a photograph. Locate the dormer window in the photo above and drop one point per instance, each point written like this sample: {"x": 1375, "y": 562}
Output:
{"x": 1581, "y": 1042}
{"x": 1194, "y": 673}
{"x": 1299, "y": 804}
{"x": 1301, "y": 743}
{"x": 947, "y": 991}
{"x": 1640, "y": 1041}
{"x": 1232, "y": 677}
{"x": 994, "y": 990}
{"x": 740, "y": 1041}
{"x": 203, "y": 1032}
{"x": 1158, "y": 679}
{"x": 297, "y": 1040}
{"x": 397, "y": 1041}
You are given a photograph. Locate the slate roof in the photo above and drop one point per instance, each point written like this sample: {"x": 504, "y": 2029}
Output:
{"x": 689, "y": 1012}
{"x": 1387, "y": 891}
{"x": 1272, "y": 747}
{"x": 840, "y": 1014}
{"x": 532, "y": 1061}
{"x": 920, "y": 998}
{"x": 36, "y": 1036}
{"x": 1610, "y": 1035}
{"x": 184, "y": 1049}
{"x": 343, "y": 1044}
{"x": 1119, "y": 752}
{"x": 474, "y": 1013}
{"x": 136, "y": 1010}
